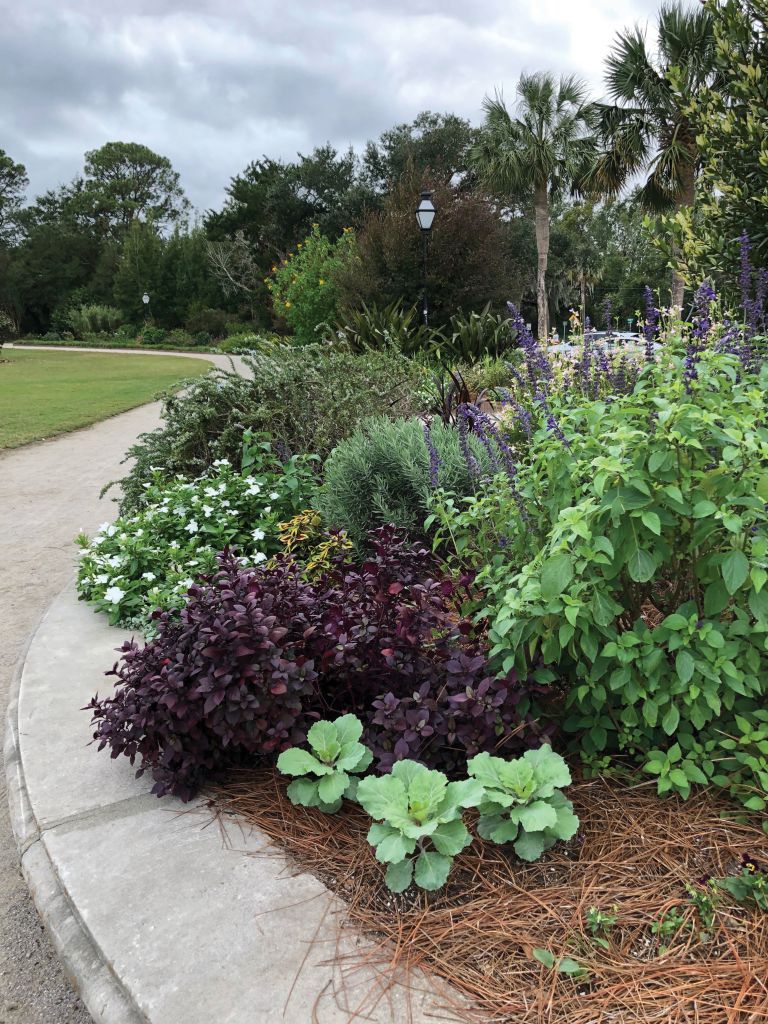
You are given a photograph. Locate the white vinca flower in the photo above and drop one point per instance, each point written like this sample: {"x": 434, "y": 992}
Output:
{"x": 259, "y": 557}
{"x": 253, "y": 489}
{"x": 274, "y": 495}
{"x": 258, "y": 535}
{"x": 210, "y": 492}
{"x": 101, "y": 578}
{"x": 221, "y": 462}
{"x": 207, "y": 510}
{"x": 192, "y": 526}
{"x": 114, "y": 595}
{"x": 148, "y": 576}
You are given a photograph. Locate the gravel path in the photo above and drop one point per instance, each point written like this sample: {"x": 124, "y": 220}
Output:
{"x": 48, "y": 492}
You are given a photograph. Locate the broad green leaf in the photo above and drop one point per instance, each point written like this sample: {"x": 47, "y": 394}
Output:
{"x": 383, "y": 797}
{"x": 702, "y": 509}
{"x": 567, "y": 824}
{"x": 735, "y": 569}
{"x": 406, "y": 771}
{"x": 549, "y": 770}
{"x": 351, "y": 755}
{"x": 716, "y": 598}
{"x": 451, "y": 838}
{"x": 556, "y": 574}
{"x": 641, "y": 566}
{"x": 684, "y": 665}
{"x": 322, "y": 738}
{"x": 671, "y": 720}
{"x": 349, "y": 729}
{"x": 432, "y": 870}
{"x": 535, "y": 817}
{"x": 518, "y": 777}
{"x": 530, "y": 845}
{"x": 303, "y": 792}
{"x": 464, "y": 793}
{"x": 652, "y": 521}
{"x": 393, "y": 848}
{"x": 759, "y": 577}
{"x": 332, "y": 787}
{"x": 426, "y": 793}
{"x": 570, "y": 967}
{"x": 675, "y": 621}
{"x": 300, "y": 762}
{"x": 544, "y": 957}
{"x": 504, "y": 832}
{"x": 399, "y": 876}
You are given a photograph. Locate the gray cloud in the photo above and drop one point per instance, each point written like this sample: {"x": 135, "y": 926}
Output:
{"x": 214, "y": 85}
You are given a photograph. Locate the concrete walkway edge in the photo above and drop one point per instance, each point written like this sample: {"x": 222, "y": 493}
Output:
{"x": 158, "y": 918}
{"x": 100, "y": 990}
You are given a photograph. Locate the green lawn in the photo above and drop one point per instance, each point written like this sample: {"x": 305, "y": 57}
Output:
{"x": 48, "y": 393}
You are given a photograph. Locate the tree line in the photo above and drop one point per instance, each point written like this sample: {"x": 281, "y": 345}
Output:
{"x": 555, "y": 201}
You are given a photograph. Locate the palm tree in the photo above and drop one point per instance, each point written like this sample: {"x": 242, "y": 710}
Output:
{"x": 541, "y": 150}
{"x": 647, "y": 130}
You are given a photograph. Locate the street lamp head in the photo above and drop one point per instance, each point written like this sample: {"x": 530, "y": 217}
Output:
{"x": 425, "y": 211}
{"x": 145, "y": 298}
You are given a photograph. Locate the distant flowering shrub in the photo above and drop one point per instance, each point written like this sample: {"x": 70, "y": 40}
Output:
{"x": 150, "y": 558}
{"x": 303, "y": 284}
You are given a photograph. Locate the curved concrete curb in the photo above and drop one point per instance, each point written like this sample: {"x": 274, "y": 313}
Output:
{"x": 99, "y": 989}
{"x": 158, "y": 918}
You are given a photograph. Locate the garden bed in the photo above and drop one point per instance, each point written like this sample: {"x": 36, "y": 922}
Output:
{"x": 632, "y": 859}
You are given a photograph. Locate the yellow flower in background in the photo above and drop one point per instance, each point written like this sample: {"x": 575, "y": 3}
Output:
{"x": 298, "y": 246}
{"x": 274, "y": 270}
{"x": 287, "y": 304}
{"x": 321, "y": 281}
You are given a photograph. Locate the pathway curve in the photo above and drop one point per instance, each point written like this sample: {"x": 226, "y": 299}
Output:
{"x": 48, "y": 492}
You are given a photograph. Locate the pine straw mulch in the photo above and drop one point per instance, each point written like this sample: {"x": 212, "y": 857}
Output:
{"x": 633, "y": 850}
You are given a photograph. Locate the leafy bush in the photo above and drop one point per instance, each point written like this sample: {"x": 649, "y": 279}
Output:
{"x": 417, "y": 808}
{"x": 148, "y": 558}
{"x": 629, "y": 558}
{"x": 151, "y": 335}
{"x": 222, "y": 685}
{"x": 383, "y": 474}
{"x": 303, "y": 285}
{"x": 308, "y": 399}
{"x": 337, "y": 757}
{"x": 211, "y": 321}
{"x": 7, "y": 326}
{"x": 92, "y": 319}
{"x": 522, "y": 802}
{"x": 367, "y": 633}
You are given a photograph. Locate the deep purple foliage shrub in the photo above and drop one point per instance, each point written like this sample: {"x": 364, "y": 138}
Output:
{"x": 232, "y": 678}
{"x": 393, "y": 648}
{"x": 259, "y": 654}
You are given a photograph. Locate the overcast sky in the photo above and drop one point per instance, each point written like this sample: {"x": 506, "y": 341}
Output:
{"x": 214, "y": 84}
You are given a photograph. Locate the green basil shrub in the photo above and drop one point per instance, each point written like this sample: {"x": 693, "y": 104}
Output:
{"x": 640, "y": 579}
{"x": 327, "y": 774}
{"x": 523, "y": 803}
{"x": 418, "y": 828}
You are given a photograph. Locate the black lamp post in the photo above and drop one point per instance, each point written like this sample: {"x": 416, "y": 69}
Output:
{"x": 425, "y": 214}
{"x": 145, "y": 300}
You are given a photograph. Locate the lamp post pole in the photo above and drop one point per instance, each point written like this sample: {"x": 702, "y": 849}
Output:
{"x": 145, "y": 300}
{"x": 425, "y": 214}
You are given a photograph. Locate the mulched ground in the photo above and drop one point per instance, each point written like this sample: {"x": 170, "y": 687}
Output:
{"x": 633, "y": 852}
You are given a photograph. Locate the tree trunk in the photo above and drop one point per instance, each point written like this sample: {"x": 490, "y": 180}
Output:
{"x": 687, "y": 198}
{"x": 541, "y": 217}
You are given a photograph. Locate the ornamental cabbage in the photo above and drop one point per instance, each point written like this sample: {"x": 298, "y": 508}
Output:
{"x": 336, "y": 752}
